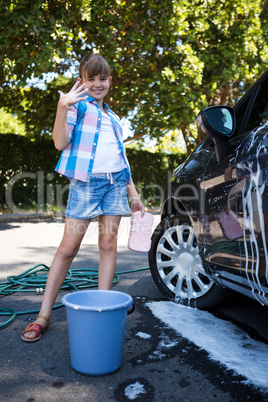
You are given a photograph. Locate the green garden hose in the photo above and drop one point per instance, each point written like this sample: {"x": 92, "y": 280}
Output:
{"x": 34, "y": 280}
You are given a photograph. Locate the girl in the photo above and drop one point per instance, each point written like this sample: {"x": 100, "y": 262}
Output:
{"x": 94, "y": 159}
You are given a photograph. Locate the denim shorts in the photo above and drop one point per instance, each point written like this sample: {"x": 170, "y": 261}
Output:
{"x": 103, "y": 194}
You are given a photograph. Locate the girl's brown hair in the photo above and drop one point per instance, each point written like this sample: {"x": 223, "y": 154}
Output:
{"x": 93, "y": 64}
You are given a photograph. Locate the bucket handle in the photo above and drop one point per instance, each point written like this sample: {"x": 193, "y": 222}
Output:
{"x": 130, "y": 311}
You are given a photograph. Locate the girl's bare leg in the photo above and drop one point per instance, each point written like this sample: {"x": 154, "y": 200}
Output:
{"x": 108, "y": 231}
{"x": 74, "y": 231}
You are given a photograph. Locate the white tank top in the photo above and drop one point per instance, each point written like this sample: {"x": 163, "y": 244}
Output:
{"x": 108, "y": 157}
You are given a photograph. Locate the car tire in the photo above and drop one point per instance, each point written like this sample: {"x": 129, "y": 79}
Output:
{"x": 177, "y": 268}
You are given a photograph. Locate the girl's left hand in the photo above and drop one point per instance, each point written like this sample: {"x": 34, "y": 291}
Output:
{"x": 137, "y": 205}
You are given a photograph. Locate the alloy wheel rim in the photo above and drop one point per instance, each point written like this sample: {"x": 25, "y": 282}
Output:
{"x": 179, "y": 263}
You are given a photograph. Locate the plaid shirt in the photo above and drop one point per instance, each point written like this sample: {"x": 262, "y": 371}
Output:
{"x": 84, "y": 122}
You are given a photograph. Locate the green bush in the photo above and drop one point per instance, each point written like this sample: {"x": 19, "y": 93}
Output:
{"x": 28, "y": 180}
{"x": 150, "y": 172}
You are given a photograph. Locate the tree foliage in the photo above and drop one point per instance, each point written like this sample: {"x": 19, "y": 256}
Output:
{"x": 10, "y": 124}
{"x": 169, "y": 58}
{"x": 37, "y": 37}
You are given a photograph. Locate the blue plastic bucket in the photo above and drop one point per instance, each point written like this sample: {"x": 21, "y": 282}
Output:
{"x": 96, "y": 325}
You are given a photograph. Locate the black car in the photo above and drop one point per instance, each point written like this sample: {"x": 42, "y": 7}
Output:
{"x": 213, "y": 234}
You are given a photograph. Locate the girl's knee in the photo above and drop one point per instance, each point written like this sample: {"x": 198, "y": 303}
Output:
{"x": 68, "y": 250}
{"x": 108, "y": 243}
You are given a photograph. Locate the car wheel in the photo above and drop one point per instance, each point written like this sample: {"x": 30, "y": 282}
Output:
{"x": 176, "y": 265}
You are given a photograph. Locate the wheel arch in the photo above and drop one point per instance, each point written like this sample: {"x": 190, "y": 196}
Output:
{"x": 173, "y": 206}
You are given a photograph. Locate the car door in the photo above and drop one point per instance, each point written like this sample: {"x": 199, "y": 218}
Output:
{"x": 235, "y": 198}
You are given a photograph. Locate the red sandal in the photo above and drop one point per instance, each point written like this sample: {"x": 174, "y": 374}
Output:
{"x": 35, "y": 327}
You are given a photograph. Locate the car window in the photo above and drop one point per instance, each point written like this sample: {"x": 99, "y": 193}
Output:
{"x": 239, "y": 116}
{"x": 259, "y": 112}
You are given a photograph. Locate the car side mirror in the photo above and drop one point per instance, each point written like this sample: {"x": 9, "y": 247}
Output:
{"x": 217, "y": 122}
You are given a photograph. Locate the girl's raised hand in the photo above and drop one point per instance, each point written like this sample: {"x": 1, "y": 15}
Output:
{"x": 76, "y": 94}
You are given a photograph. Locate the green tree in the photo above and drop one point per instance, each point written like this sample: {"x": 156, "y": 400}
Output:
{"x": 139, "y": 40}
{"x": 169, "y": 58}
{"x": 229, "y": 37}
{"x": 38, "y": 36}
{"x": 10, "y": 124}
{"x": 36, "y": 107}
